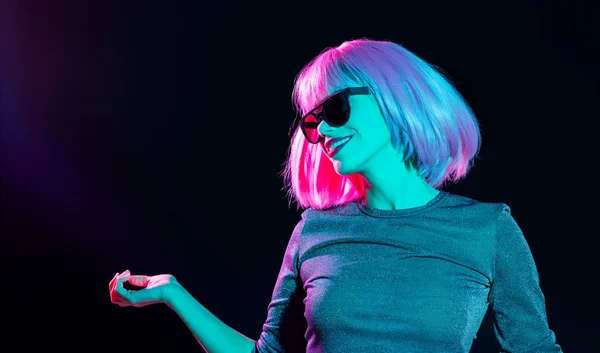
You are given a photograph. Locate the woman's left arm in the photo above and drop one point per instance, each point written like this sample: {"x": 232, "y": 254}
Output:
{"x": 517, "y": 302}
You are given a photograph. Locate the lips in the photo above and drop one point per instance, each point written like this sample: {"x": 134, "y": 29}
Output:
{"x": 330, "y": 152}
{"x": 330, "y": 142}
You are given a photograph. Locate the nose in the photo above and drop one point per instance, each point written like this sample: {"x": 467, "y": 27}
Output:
{"x": 324, "y": 129}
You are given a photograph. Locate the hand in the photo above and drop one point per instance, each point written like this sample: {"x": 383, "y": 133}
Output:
{"x": 155, "y": 289}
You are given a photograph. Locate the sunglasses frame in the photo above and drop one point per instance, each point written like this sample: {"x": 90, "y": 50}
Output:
{"x": 345, "y": 93}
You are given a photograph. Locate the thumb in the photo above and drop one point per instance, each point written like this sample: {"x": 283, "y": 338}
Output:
{"x": 139, "y": 280}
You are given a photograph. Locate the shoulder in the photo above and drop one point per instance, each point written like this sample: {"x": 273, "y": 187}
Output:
{"x": 346, "y": 209}
{"x": 458, "y": 206}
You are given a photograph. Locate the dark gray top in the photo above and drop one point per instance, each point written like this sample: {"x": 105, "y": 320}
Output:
{"x": 411, "y": 280}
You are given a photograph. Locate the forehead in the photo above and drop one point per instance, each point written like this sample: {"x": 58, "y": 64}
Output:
{"x": 357, "y": 101}
{"x": 348, "y": 91}
{"x": 319, "y": 103}
{"x": 351, "y": 93}
{"x": 334, "y": 94}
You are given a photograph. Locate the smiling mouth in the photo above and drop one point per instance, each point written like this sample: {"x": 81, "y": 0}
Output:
{"x": 335, "y": 150}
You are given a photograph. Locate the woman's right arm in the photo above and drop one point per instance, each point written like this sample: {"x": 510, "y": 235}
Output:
{"x": 214, "y": 335}
{"x": 211, "y": 333}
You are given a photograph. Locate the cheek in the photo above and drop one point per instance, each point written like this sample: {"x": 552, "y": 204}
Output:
{"x": 352, "y": 162}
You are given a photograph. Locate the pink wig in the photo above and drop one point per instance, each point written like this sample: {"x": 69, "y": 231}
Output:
{"x": 427, "y": 117}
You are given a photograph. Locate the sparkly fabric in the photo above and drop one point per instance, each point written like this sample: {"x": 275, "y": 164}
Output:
{"x": 412, "y": 280}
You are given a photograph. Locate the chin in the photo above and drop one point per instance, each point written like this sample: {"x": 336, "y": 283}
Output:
{"x": 343, "y": 170}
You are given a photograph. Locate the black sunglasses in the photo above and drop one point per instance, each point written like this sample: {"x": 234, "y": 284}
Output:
{"x": 335, "y": 110}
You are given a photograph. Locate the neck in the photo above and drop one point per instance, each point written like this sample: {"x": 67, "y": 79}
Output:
{"x": 400, "y": 190}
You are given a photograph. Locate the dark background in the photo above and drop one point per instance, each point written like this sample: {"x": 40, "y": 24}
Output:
{"x": 149, "y": 136}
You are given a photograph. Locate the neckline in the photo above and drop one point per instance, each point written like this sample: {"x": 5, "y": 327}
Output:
{"x": 376, "y": 212}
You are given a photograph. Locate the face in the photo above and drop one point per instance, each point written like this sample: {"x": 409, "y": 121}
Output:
{"x": 370, "y": 146}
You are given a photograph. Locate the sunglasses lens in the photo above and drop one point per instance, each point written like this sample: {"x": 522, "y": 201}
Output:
{"x": 310, "y": 128}
{"x": 336, "y": 111}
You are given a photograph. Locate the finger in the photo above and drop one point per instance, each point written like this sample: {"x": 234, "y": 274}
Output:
{"x": 119, "y": 296}
{"x": 139, "y": 280}
{"x": 115, "y": 277}
{"x": 116, "y": 298}
{"x": 113, "y": 295}
{"x": 113, "y": 281}
{"x": 119, "y": 289}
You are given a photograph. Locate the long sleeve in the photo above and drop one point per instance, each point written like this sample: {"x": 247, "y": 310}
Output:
{"x": 284, "y": 328}
{"x": 518, "y": 304}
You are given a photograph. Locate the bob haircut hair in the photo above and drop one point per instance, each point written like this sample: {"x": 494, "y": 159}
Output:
{"x": 427, "y": 117}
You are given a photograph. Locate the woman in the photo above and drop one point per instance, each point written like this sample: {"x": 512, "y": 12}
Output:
{"x": 382, "y": 259}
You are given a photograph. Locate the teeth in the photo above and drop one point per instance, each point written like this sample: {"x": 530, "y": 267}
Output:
{"x": 338, "y": 143}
